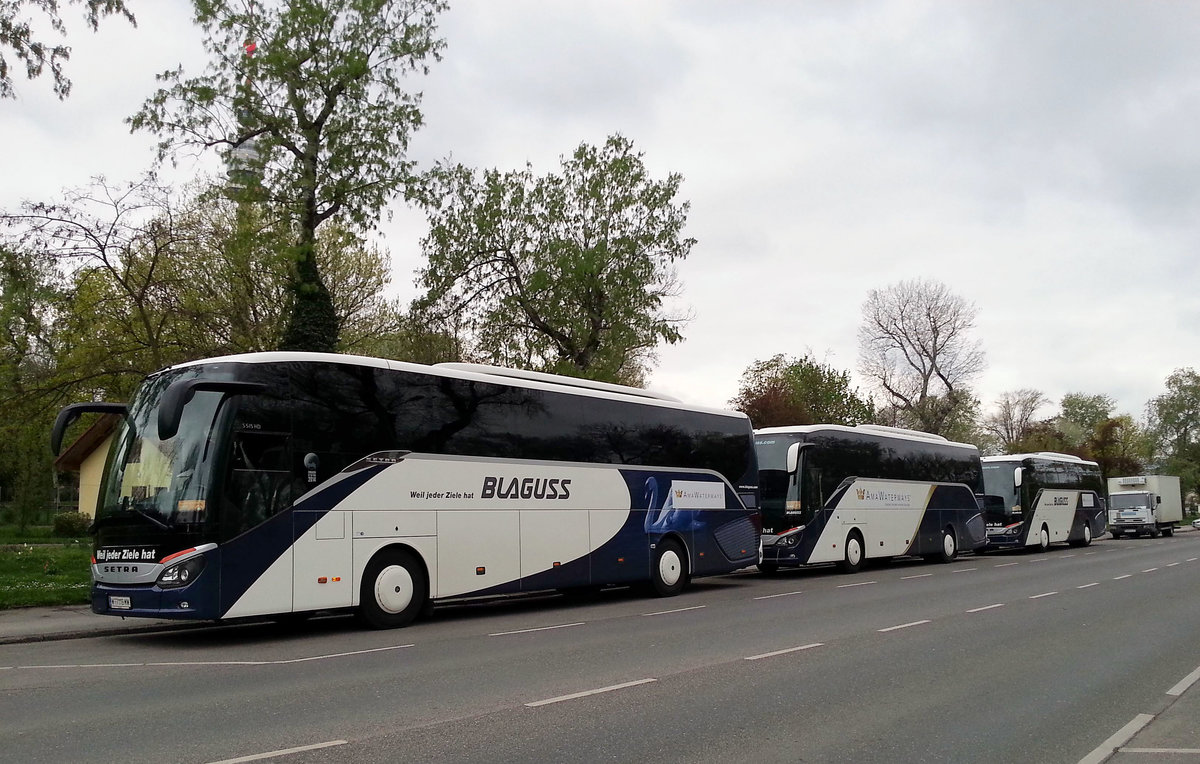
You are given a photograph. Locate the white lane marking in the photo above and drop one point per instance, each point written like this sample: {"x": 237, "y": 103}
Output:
{"x": 1088, "y": 586}
{"x": 986, "y": 607}
{"x": 168, "y": 664}
{"x": 677, "y": 610}
{"x": 1006, "y": 565}
{"x": 964, "y": 570}
{"x": 586, "y": 693}
{"x": 1192, "y": 559}
{"x": 784, "y": 652}
{"x": 1149, "y": 570}
{"x": 1065, "y": 556}
{"x": 1085, "y": 554}
{"x": 923, "y": 575}
{"x": 1184, "y": 683}
{"x": 904, "y": 626}
{"x": 1040, "y": 559}
{"x": 772, "y": 596}
{"x": 861, "y": 583}
{"x": 1172, "y": 564}
{"x": 540, "y": 628}
{"x": 1039, "y": 596}
{"x": 282, "y": 752}
{"x": 1158, "y": 750}
{"x": 1127, "y": 575}
{"x": 1122, "y": 736}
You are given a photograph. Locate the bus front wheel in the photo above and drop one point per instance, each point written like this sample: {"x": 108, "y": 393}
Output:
{"x": 1043, "y": 539}
{"x": 853, "y": 561}
{"x": 394, "y": 590}
{"x": 668, "y": 569}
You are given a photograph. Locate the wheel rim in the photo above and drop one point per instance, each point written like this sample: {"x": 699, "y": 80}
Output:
{"x": 948, "y": 544}
{"x": 853, "y": 552}
{"x": 394, "y": 589}
{"x": 670, "y": 569}
{"x": 1045, "y": 538}
{"x": 1087, "y": 534}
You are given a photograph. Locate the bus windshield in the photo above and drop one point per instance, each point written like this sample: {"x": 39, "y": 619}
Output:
{"x": 163, "y": 483}
{"x": 998, "y": 481}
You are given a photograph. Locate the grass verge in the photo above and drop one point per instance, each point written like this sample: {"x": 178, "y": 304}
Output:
{"x": 33, "y": 576}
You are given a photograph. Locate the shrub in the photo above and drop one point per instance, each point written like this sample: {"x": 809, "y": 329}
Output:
{"x": 71, "y": 524}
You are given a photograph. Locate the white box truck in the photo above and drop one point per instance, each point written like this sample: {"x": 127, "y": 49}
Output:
{"x": 1144, "y": 504}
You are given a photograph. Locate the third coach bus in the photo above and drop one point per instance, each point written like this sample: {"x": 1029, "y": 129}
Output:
{"x": 846, "y": 494}
{"x": 275, "y": 483}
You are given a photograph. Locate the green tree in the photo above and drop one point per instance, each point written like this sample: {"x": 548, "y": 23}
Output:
{"x": 21, "y": 21}
{"x": 319, "y": 109}
{"x": 1081, "y": 415}
{"x": 790, "y": 391}
{"x": 567, "y": 273}
{"x": 1174, "y": 423}
{"x": 915, "y": 345}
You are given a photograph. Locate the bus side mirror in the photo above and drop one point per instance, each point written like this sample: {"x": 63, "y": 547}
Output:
{"x": 1017, "y": 477}
{"x": 793, "y": 458}
{"x": 170, "y": 411}
{"x": 70, "y": 413}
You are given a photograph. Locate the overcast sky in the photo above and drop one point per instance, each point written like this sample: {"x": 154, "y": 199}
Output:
{"x": 1040, "y": 158}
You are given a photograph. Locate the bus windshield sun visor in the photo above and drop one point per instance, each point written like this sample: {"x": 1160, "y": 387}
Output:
{"x": 68, "y": 415}
{"x": 179, "y": 393}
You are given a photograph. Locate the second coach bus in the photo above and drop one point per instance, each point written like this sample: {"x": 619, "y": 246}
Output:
{"x": 1048, "y": 497}
{"x": 839, "y": 494}
{"x": 275, "y": 483}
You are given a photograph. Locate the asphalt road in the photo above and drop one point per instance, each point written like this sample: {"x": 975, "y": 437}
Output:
{"x": 1000, "y": 658}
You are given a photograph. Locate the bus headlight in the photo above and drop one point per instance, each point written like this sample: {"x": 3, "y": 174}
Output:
{"x": 790, "y": 540}
{"x": 182, "y": 573}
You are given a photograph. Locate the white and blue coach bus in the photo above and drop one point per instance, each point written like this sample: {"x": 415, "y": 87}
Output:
{"x": 273, "y": 483}
{"x": 1047, "y": 497}
{"x": 831, "y": 493}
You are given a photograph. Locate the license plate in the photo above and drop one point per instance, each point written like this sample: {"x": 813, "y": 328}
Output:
{"x": 119, "y": 603}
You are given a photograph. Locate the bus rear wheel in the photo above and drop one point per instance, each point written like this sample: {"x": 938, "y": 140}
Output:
{"x": 1086, "y": 540}
{"x": 394, "y": 590}
{"x": 855, "y": 557}
{"x": 668, "y": 568}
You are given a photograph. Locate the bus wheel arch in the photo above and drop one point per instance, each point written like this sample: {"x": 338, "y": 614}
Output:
{"x": 855, "y": 554}
{"x": 394, "y": 588}
{"x": 669, "y": 568}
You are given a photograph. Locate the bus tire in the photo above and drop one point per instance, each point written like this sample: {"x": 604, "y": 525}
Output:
{"x": 855, "y": 553}
{"x": 768, "y": 568}
{"x": 1043, "y": 539}
{"x": 394, "y": 591}
{"x": 949, "y": 550}
{"x": 1087, "y": 536}
{"x": 668, "y": 568}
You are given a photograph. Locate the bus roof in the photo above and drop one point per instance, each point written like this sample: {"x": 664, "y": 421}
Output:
{"x": 872, "y": 430}
{"x": 1049, "y": 456}
{"x": 492, "y": 374}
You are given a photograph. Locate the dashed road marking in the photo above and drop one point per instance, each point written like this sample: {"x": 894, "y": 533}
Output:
{"x": 860, "y": 583}
{"x": 784, "y": 651}
{"x": 281, "y": 752}
{"x": 922, "y": 575}
{"x": 540, "y": 628}
{"x": 677, "y": 610}
{"x": 773, "y": 596}
{"x": 904, "y": 626}
{"x": 1088, "y": 586}
{"x": 586, "y": 693}
{"x": 964, "y": 570}
{"x": 1045, "y": 594}
{"x": 986, "y": 607}
{"x": 1149, "y": 570}
{"x": 1006, "y": 565}
{"x": 1127, "y": 575}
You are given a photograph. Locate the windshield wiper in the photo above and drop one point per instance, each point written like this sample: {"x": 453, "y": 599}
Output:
{"x": 123, "y": 514}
